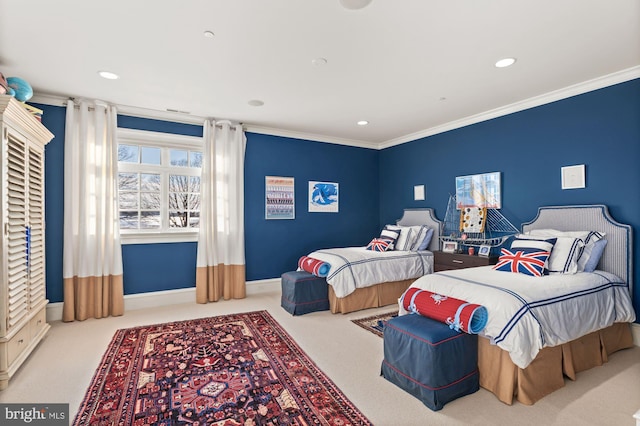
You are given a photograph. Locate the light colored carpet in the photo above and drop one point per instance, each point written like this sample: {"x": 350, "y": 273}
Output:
{"x": 62, "y": 366}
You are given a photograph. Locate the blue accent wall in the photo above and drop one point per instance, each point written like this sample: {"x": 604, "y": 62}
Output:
{"x": 274, "y": 246}
{"x": 600, "y": 129}
{"x": 54, "y": 120}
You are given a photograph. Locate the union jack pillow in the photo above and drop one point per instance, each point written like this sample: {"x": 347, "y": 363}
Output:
{"x": 379, "y": 244}
{"x": 529, "y": 259}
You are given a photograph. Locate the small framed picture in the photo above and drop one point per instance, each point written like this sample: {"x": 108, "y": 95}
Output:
{"x": 484, "y": 251}
{"x": 449, "y": 246}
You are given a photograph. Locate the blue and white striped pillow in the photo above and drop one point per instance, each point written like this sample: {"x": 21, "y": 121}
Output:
{"x": 392, "y": 233}
{"x": 405, "y": 239}
{"x": 422, "y": 233}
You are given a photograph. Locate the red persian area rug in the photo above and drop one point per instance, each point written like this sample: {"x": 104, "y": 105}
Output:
{"x": 240, "y": 369}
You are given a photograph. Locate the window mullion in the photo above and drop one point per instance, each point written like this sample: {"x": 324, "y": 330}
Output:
{"x": 164, "y": 196}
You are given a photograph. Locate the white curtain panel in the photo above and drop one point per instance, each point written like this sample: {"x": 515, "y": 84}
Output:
{"x": 221, "y": 257}
{"x": 92, "y": 257}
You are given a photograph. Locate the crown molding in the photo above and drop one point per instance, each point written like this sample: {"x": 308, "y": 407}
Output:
{"x": 60, "y": 100}
{"x": 567, "y": 92}
{"x": 309, "y": 136}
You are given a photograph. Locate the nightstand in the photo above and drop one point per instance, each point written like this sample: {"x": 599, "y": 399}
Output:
{"x": 446, "y": 261}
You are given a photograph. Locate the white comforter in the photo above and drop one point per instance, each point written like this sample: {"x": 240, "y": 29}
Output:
{"x": 528, "y": 313}
{"x": 355, "y": 267}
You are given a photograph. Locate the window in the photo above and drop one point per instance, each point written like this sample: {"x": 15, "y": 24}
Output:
{"x": 158, "y": 186}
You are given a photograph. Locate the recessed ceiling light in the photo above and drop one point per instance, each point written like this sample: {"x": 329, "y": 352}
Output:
{"x": 256, "y": 102}
{"x": 108, "y": 75}
{"x": 354, "y": 4}
{"x": 363, "y": 123}
{"x": 506, "y": 62}
{"x": 209, "y": 34}
{"x": 318, "y": 62}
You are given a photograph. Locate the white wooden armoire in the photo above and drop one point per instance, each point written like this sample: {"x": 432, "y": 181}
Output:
{"x": 23, "y": 302}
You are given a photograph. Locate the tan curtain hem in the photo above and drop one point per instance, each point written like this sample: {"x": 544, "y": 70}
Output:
{"x": 92, "y": 297}
{"x": 221, "y": 281}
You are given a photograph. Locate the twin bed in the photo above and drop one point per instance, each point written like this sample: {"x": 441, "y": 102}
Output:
{"x": 539, "y": 328}
{"x": 361, "y": 279}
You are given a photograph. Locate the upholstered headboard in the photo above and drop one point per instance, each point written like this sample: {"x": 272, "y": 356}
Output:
{"x": 424, "y": 216}
{"x": 618, "y": 254}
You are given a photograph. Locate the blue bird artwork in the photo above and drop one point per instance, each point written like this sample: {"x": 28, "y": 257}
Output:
{"x": 324, "y": 193}
{"x": 324, "y": 196}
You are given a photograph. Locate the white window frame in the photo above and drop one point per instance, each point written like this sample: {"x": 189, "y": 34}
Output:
{"x": 160, "y": 140}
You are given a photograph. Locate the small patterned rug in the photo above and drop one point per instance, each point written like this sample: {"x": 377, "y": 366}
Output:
{"x": 240, "y": 369}
{"x": 375, "y": 323}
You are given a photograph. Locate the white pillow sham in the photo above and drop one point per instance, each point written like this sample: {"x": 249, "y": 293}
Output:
{"x": 422, "y": 232}
{"x": 408, "y": 236}
{"x": 588, "y": 239}
{"x": 564, "y": 255}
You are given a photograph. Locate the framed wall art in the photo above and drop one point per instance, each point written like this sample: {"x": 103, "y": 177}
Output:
{"x": 279, "y": 197}
{"x": 323, "y": 197}
{"x": 573, "y": 177}
{"x": 481, "y": 190}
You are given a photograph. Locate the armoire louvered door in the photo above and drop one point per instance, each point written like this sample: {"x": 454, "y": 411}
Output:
{"x": 22, "y": 252}
{"x": 35, "y": 246}
{"x": 17, "y": 235}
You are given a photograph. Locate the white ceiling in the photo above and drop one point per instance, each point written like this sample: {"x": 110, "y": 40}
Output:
{"x": 406, "y": 66}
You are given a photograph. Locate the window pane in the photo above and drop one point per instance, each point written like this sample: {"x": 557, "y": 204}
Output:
{"x": 178, "y": 183}
{"x": 196, "y": 159}
{"x": 178, "y": 201}
{"x": 178, "y": 219}
{"x": 194, "y": 184}
{"x": 194, "y": 219}
{"x": 149, "y": 220}
{"x": 128, "y": 153}
{"x": 150, "y": 155}
{"x": 194, "y": 202}
{"x": 149, "y": 182}
{"x": 128, "y": 200}
{"x": 178, "y": 157}
{"x": 128, "y": 181}
{"x": 128, "y": 220}
{"x": 149, "y": 200}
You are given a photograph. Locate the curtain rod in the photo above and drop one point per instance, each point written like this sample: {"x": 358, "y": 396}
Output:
{"x": 169, "y": 115}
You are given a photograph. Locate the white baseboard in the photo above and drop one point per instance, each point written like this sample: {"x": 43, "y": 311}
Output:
{"x": 166, "y": 297}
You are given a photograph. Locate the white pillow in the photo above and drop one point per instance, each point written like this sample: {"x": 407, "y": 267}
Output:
{"x": 588, "y": 238}
{"x": 564, "y": 255}
{"x": 422, "y": 231}
{"x": 407, "y": 238}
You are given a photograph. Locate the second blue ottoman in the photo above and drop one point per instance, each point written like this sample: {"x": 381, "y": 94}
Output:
{"x": 429, "y": 360}
{"x": 303, "y": 292}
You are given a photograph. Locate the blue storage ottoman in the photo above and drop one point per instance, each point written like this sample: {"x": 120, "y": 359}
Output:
{"x": 429, "y": 360}
{"x": 303, "y": 292}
